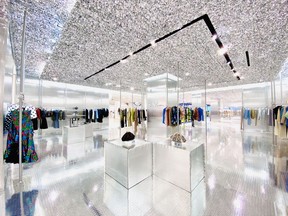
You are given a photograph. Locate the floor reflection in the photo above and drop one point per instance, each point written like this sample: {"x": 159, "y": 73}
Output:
{"x": 23, "y": 202}
{"x": 241, "y": 172}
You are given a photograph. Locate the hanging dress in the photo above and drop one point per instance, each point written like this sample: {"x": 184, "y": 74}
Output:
{"x": 29, "y": 154}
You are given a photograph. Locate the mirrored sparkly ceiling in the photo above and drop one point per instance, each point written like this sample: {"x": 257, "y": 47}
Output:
{"x": 98, "y": 33}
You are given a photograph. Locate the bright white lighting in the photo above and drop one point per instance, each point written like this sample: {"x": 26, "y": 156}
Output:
{"x": 242, "y": 77}
{"x": 153, "y": 43}
{"x": 53, "y": 196}
{"x": 123, "y": 61}
{"x": 238, "y": 203}
{"x": 262, "y": 189}
{"x": 146, "y": 74}
{"x": 209, "y": 84}
{"x": 214, "y": 37}
{"x": 187, "y": 74}
{"x": 211, "y": 182}
{"x": 229, "y": 62}
{"x": 131, "y": 53}
{"x": 108, "y": 84}
{"x": 236, "y": 74}
{"x": 55, "y": 78}
{"x": 95, "y": 188}
{"x": 118, "y": 86}
{"x": 222, "y": 51}
{"x": 132, "y": 88}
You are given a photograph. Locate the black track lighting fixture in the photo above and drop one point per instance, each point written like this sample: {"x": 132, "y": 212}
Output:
{"x": 211, "y": 28}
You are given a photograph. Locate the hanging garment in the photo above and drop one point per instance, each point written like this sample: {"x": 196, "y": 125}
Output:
{"x": 7, "y": 122}
{"x": 270, "y": 116}
{"x": 196, "y": 114}
{"x": 281, "y": 125}
{"x": 43, "y": 120}
{"x": 129, "y": 119}
{"x": 164, "y": 115}
{"x": 139, "y": 116}
{"x": 136, "y": 121}
{"x": 55, "y": 119}
{"x": 144, "y": 115}
{"x": 86, "y": 115}
{"x": 256, "y": 116}
{"x": 121, "y": 118}
{"x": 200, "y": 114}
{"x": 29, "y": 154}
{"x": 90, "y": 116}
{"x": 100, "y": 115}
{"x": 247, "y": 116}
{"x": 30, "y": 108}
{"x": 106, "y": 113}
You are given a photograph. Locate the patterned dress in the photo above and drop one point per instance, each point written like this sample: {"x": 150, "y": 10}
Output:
{"x": 29, "y": 154}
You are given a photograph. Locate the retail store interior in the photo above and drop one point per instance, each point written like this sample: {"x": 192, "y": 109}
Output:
{"x": 144, "y": 108}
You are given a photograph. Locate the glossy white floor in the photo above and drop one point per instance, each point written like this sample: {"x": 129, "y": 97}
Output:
{"x": 70, "y": 180}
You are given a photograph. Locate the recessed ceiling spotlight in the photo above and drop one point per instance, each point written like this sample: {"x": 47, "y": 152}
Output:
{"x": 108, "y": 84}
{"x": 236, "y": 74}
{"x": 153, "y": 43}
{"x": 118, "y": 86}
{"x": 209, "y": 84}
{"x": 55, "y": 78}
{"x": 229, "y": 62}
{"x": 260, "y": 80}
{"x": 146, "y": 74}
{"x": 214, "y": 37}
{"x": 131, "y": 53}
{"x": 222, "y": 51}
{"x": 242, "y": 77}
{"x": 123, "y": 61}
{"x": 132, "y": 88}
{"x": 187, "y": 74}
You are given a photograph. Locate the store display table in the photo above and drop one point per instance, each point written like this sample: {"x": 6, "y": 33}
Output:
{"x": 73, "y": 134}
{"x": 183, "y": 167}
{"x": 128, "y": 166}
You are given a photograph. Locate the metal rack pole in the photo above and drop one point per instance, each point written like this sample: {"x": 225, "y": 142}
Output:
{"x": 205, "y": 116}
{"x": 21, "y": 95}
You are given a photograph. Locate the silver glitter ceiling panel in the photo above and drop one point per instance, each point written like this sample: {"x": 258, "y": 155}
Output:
{"x": 98, "y": 33}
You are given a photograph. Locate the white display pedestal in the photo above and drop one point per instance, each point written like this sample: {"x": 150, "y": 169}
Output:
{"x": 183, "y": 167}
{"x": 128, "y": 167}
{"x": 73, "y": 134}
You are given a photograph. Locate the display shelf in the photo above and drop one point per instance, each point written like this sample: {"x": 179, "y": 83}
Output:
{"x": 183, "y": 166}
{"x": 128, "y": 166}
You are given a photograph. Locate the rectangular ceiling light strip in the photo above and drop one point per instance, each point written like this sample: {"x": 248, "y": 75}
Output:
{"x": 211, "y": 28}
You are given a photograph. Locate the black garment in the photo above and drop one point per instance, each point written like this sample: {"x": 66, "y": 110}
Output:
{"x": 86, "y": 116}
{"x": 106, "y": 113}
{"x": 43, "y": 120}
{"x": 90, "y": 115}
{"x": 144, "y": 115}
{"x": 35, "y": 123}
{"x": 275, "y": 111}
{"x": 100, "y": 115}
{"x": 192, "y": 117}
{"x": 139, "y": 116}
